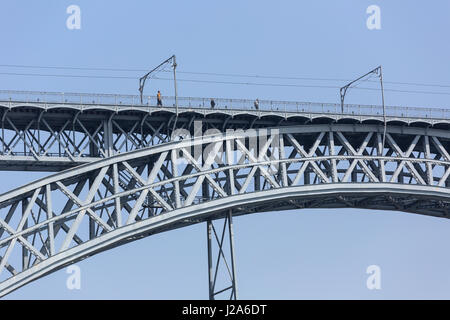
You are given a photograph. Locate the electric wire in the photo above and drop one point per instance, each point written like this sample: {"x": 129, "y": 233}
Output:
{"x": 223, "y": 82}
{"x": 213, "y": 74}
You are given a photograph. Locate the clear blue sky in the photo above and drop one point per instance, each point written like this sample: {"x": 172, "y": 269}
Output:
{"x": 279, "y": 255}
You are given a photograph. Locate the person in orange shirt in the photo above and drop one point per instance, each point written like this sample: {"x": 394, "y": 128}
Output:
{"x": 158, "y": 98}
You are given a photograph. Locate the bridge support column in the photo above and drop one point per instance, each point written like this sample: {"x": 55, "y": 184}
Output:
{"x": 221, "y": 271}
{"x": 25, "y": 252}
{"x": 108, "y": 137}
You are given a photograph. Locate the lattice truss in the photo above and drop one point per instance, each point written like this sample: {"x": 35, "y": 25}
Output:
{"x": 53, "y": 217}
{"x": 76, "y": 137}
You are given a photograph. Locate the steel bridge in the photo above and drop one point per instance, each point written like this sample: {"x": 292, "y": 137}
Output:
{"x": 125, "y": 170}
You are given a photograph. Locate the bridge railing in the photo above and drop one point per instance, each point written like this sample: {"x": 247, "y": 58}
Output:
{"x": 117, "y": 100}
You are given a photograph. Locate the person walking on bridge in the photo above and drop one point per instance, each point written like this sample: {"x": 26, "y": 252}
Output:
{"x": 213, "y": 103}
{"x": 256, "y": 104}
{"x": 158, "y": 98}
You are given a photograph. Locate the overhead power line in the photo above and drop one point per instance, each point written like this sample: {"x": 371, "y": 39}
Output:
{"x": 70, "y": 68}
{"x": 212, "y": 74}
{"x": 67, "y": 75}
{"x": 219, "y": 82}
{"x": 186, "y": 72}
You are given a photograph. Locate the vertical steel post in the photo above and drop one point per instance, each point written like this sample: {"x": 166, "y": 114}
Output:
{"x": 176, "y": 94}
{"x": 3, "y": 133}
{"x": 175, "y": 83}
{"x": 213, "y": 269}
{"x": 233, "y": 265}
{"x": 384, "y": 108}
{"x": 25, "y": 256}
{"x": 210, "y": 264}
{"x": 92, "y": 230}
{"x": 51, "y": 230}
{"x": 108, "y": 137}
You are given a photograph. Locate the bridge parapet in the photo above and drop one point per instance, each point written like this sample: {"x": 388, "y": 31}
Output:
{"x": 118, "y": 102}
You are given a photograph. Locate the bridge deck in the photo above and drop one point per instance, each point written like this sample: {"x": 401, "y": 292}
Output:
{"x": 45, "y": 131}
{"x": 118, "y": 103}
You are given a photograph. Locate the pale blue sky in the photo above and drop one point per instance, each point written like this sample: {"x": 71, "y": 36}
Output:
{"x": 279, "y": 255}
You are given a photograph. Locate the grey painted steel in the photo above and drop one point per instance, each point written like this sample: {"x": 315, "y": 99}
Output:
{"x": 93, "y": 207}
{"x": 54, "y": 131}
{"x": 221, "y": 287}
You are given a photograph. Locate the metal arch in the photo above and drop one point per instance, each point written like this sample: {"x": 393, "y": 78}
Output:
{"x": 434, "y": 135}
{"x": 139, "y": 193}
{"x": 185, "y": 217}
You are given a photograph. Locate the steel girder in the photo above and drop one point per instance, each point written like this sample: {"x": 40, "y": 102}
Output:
{"x": 68, "y": 216}
{"x": 52, "y": 135}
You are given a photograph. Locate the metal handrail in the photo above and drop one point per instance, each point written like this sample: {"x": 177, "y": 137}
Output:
{"x": 220, "y": 103}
